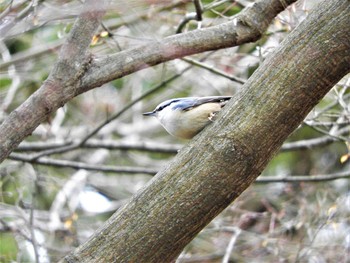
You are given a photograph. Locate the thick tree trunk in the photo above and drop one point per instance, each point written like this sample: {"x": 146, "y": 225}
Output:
{"x": 223, "y": 160}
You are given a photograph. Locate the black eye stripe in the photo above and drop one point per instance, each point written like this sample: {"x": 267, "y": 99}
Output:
{"x": 161, "y": 107}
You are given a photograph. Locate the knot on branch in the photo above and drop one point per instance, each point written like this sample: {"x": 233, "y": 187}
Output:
{"x": 249, "y": 27}
{"x": 254, "y": 21}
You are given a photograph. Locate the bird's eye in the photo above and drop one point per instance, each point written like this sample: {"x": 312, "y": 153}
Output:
{"x": 160, "y": 108}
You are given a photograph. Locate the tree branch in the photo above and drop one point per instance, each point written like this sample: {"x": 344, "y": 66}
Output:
{"x": 153, "y": 171}
{"x": 247, "y": 26}
{"x": 83, "y": 74}
{"x": 158, "y": 147}
{"x": 303, "y": 178}
{"x": 60, "y": 86}
{"x": 227, "y": 156}
{"x": 85, "y": 166}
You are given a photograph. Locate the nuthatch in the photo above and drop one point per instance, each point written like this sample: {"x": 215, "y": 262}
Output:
{"x": 185, "y": 117}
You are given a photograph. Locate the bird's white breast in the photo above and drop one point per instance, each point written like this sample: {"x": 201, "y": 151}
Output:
{"x": 186, "y": 124}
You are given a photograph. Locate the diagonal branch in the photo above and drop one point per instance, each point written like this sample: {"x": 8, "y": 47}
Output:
{"x": 152, "y": 171}
{"x": 227, "y": 156}
{"x": 166, "y": 148}
{"x": 247, "y": 26}
{"x": 81, "y": 74}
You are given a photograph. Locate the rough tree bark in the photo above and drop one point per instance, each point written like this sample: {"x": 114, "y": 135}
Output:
{"x": 76, "y": 71}
{"x": 223, "y": 160}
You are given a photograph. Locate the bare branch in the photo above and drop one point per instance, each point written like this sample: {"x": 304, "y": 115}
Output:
{"x": 230, "y": 246}
{"x": 303, "y": 178}
{"x": 214, "y": 70}
{"x": 312, "y": 143}
{"x": 242, "y": 29}
{"x": 80, "y": 165}
{"x": 148, "y": 146}
{"x": 68, "y": 78}
{"x": 153, "y": 171}
{"x": 151, "y": 146}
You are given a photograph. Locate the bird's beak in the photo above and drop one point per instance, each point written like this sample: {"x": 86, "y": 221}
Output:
{"x": 151, "y": 113}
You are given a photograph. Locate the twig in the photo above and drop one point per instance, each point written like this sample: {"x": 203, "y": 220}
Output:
{"x": 80, "y": 143}
{"x": 68, "y": 194}
{"x": 31, "y": 220}
{"x": 113, "y": 117}
{"x": 162, "y": 147}
{"x": 213, "y": 70}
{"x": 144, "y": 14}
{"x": 184, "y": 21}
{"x": 230, "y": 246}
{"x": 148, "y": 146}
{"x": 329, "y": 106}
{"x": 316, "y": 142}
{"x": 192, "y": 16}
{"x": 303, "y": 178}
{"x": 301, "y": 255}
{"x": 336, "y": 137}
{"x": 153, "y": 171}
{"x": 31, "y": 53}
{"x": 198, "y": 14}
{"x": 199, "y": 9}
{"x": 13, "y": 74}
{"x": 80, "y": 165}
{"x": 26, "y": 10}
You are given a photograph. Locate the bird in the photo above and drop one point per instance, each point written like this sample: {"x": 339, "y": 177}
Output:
{"x": 186, "y": 117}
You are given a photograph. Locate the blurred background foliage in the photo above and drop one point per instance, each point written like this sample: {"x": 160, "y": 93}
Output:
{"x": 52, "y": 197}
